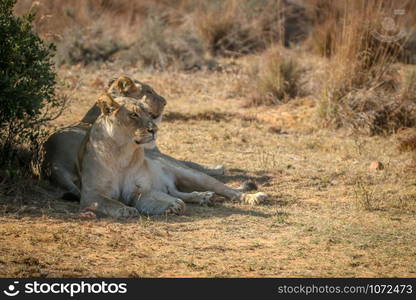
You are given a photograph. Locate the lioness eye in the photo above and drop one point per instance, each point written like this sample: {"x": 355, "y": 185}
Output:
{"x": 134, "y": 115}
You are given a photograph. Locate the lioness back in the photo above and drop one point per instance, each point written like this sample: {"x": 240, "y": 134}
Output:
{"x": 59, "y": 164}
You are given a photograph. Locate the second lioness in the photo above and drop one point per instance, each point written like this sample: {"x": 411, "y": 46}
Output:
{"x": 155, "y": 104}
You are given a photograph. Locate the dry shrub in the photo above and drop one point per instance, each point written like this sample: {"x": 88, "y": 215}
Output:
{"x": 97, "y": 29}
{"x": 224, "y": 29}
{"x": 55, "y": 17}
{"x": 160, "y": 46}
{"x": 288, "y": 22}
{"x": 278, "y": 79}
{"x": 388, "y": 19}
{"x": 156, "y": 34}
{"x": 368, "y": 111}
{"x": 87, "y": 45}
{"x": 362, "y": 91}
{"x": 234, "y": 28}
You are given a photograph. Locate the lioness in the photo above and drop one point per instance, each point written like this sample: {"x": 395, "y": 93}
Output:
{"x": 155, "y": 104}
{"x": 118, "y": 180}
{"x": 61, "y": 148}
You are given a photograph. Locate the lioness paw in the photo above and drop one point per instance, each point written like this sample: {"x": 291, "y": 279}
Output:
{"x": 203, "y": 198}
{"x": 127, "y": 212}
{"x": 253, "y": 199}
{"x": 177, "y": 207}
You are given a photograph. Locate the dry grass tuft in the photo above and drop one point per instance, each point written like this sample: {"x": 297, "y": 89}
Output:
{"x": 365, "y": 196}
{"x": 277, "y": 80}
{"x": 408, "y": 143}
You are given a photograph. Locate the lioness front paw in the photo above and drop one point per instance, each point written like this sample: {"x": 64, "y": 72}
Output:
{"x": 253, "y": 198}
{"x": 203, "y": 198}
{"x": 127, "y": 212}
{"x": 177, "y": 207}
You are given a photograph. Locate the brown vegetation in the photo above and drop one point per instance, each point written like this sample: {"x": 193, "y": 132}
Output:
{"x": 361, "y": 89}
{"x": 324, "y": 203}
{"x": 277, "y": 79}
{"x": 259, "y": 86}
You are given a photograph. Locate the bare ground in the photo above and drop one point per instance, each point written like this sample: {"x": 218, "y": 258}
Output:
{"x": 327, "y": 214}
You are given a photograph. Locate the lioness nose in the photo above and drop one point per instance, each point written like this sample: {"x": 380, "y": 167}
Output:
{"x": 152, "y": 130}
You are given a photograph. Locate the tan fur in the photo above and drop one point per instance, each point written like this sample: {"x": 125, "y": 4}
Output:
{"x": 126, "y": 87}
{"x": 119, "y": 181}
{"x": 60, "y": 161}
{"x": 62, "y": 147}
{"x": 112, "y": 157}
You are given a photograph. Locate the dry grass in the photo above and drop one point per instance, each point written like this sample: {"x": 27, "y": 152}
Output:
{"x": 155, "y": 28}
{"x": 279, "y": 79}
{"x": 313, "y": 224}
{"x": 360, "y": 92}
{"x": 225, "y": 30}
{"x": 87, "y": 45}
{"x": 408, "y": 88}
{"x": 159, "y": 46}
{"x": 119, "y": 16}
{"x": 328, "y": 214}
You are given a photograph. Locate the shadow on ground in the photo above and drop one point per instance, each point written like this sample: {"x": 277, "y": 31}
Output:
{"x": 205, "y": 116}
{"x": 46, "y": 202}
{"x": 241, "y": 175}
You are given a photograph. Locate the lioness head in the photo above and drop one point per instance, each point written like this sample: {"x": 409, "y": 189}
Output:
{"x": 125, "y": 86}
{"x": 127, "y": 119}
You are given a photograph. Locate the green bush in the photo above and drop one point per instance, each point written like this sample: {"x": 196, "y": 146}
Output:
{"x": 27, "y": 79}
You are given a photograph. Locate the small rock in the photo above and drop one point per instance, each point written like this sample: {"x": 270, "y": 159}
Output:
{"x": 376, "y": 166}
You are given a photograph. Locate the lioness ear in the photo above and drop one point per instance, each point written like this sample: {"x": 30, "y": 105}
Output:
{"x": 125, "y": 85}
{"x": 107, "y": 104}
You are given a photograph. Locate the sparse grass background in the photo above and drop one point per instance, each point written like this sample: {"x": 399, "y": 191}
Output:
{"x": 296, "y": 95}
{"x": 279, "y": 79}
